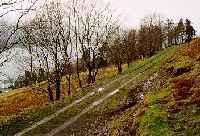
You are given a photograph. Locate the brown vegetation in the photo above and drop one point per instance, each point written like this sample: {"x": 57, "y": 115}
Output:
{"x": 16, "y": 103}
{"x": 193, "y": 49}
{"x": 181, "y": 89}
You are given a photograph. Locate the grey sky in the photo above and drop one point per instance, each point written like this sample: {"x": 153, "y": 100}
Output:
{"x": 133, "y": 11}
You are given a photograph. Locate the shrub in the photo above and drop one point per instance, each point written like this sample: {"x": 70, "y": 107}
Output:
{"x": 195, "y": 99}
{"x": 193, "y": 49}
{"x": 182, "y": 88}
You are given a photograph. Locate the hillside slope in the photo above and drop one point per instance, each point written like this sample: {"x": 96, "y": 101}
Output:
{"x": 155, "y": 96}
{"x": 171, "y": 104}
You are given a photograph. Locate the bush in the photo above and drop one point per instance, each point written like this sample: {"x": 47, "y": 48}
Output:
{"x": 182, "y": 88}
{"x": 193, "y": 49}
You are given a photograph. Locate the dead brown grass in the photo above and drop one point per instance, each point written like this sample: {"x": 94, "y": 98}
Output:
{"x": 192, "y": 49}
{"x": 182, "y": 88}
{"x": 16, "y": 103}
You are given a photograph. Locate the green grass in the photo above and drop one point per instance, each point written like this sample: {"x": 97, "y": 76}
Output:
{"x": 148, "y": 63}
{"x": 153, "y": 117}
{"x": 156, "y": 96}
{"x": 154, "y": 122}
{"x": 157, "y": 119}
{"x": 148, "y": 66}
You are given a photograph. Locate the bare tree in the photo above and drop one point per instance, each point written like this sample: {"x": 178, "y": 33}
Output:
{"x": 117, "y": 49}
{"x": 12, "y": 6}
{"x": 9, "y": 37}
{"x": 151, "y": 35}
{"x": 94, "y": 26}
{"x": 57, "y": 34}
{"x": 169, "y": 31}
{"x": 130, "y": 46}
{"x": 52, "y": 37}
{"x": 190, "y": 31}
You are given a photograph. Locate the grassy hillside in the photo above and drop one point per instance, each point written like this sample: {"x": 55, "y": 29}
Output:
{"x": 20, "y": 101}
{"x": 171, "y": 104}
{"x": 20, "y": 108}
{"x": 163, "y": 99}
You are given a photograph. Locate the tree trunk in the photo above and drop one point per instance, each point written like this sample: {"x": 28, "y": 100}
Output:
{"x": 69, "y": 85}
{"x": 182, "y": 38}
{"x": 77, "y": 71}
{"x": 119, "y": 68}
{"x": 89, "y": 80}
{"x": 93, "y": 77}
{"x": 58, "y": 89}
{"x": 94, "y": 67}
{"x": 176, "y": 40}
{"x": 77, "y": 59}
{"x": 50, "y": 92}
{"x": 31, "y": 68}
{"x": 49, "y": 81}
{"x": 128, "y": 64}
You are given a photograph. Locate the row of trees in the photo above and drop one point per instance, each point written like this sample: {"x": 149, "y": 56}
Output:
{"x": 180, "y": 32}
{"x": 62, "y": 41}
{"x": 56, "y": 38}
{"x": 65, "y": 43}
{"x": 153, "y": 35}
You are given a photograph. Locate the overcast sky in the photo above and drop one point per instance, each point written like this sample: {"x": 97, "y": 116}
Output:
{"x": 133, "y": 11}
